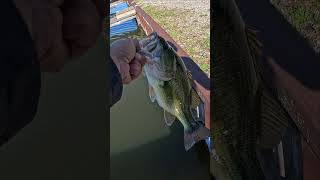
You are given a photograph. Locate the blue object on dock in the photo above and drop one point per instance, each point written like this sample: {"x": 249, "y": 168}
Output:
{"x": 118, "y": 7}
{"x": 127, "y": 26}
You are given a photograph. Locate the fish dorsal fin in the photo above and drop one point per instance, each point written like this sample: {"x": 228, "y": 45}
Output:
{"x": 152, "y": 94}
{"x": 189, "y": 75}
{"x": 255, "y": 45}
{"x": 234, "y": 27}
{"x": 274, "y": 121}
{"x": 180, "y": 62}
{"x": 168, "y": 118}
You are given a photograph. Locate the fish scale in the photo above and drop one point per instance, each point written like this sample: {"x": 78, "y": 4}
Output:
{"x": 171, "y": 86}
{"x": 246, "y": 116}
{"x": 232, "y": 75}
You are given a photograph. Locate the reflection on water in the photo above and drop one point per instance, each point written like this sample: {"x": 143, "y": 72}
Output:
{"x": 139, "y": 33}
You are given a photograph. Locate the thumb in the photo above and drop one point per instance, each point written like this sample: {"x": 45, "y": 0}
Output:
{"x": 136, "y": 44}
{"x": 140, "y": 58}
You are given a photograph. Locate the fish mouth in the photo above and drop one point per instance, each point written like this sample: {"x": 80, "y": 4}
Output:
{"x": 150, "y": 42}
{"x": 149, "y": 47}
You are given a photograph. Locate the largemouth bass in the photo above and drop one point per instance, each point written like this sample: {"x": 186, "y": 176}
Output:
{"x": 246, "y": 117}
{"x": 170, "y": 85}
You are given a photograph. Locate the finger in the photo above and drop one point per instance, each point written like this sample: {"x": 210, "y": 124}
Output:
{"x": 135, "y": 69}
{"x": 127, "y": 79}
{"x": 51, "y": 47}
{"x": 140, "y": 58}
{"x": 136, "y": 44}
{"x": 81, "y": 25}
{"x": 123, "y": 49}
{"x": 125, "y": 73}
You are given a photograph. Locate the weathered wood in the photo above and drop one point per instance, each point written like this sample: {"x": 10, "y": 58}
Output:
{"x": 126, "y": 13}
{"x": 115, "y": 21}
{"x": 114, "y": 3}
{"x": 122, "y": 16}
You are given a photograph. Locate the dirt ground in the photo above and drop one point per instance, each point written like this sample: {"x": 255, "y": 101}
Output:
{"x": 187, "y": 22}
{"x": 197, "y": 5}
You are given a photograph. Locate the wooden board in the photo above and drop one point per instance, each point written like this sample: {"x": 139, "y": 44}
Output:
{"x": 126, "y": 13}
{"x": 115, "y": 21}
{"x": 122, "y": 16}
{"x": 114, "y": 3}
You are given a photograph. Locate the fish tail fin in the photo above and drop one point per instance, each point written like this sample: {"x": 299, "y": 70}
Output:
{"x": 191, "y": 138}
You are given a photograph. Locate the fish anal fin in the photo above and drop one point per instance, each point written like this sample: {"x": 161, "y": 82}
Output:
{"x": 193, "y": 137}
{"x": 274, "y": 121}
{"x": 168, "y": 118}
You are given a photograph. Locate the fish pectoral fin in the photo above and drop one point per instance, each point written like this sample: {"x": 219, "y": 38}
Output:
{"x": 274, "y": 121}
{"x": 168, "y": 118}
{"x": 192, "y": 138}
{"x": 152, "y": 94}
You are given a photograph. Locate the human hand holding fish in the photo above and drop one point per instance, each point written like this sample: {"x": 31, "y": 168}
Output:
{"x": 62, "y": 30}
{"x": 125, "y": 54}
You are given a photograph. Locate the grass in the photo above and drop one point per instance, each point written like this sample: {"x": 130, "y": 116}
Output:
{"x": 300, "y": 17}
{"x": 193, "y": 39}
{"x": 304, "y": 16}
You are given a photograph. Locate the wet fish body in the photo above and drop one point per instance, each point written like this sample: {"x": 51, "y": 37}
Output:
{"x": 170, "y": 85}
{"x": 245, "y": 116}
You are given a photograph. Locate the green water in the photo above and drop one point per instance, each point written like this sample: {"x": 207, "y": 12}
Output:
{"x": 139, "y": 33}
{"x": 142, "y": 146}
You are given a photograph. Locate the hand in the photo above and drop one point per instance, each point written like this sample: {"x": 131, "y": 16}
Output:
{"x": 129, "y": 63}
{"x": 61, "y": 29}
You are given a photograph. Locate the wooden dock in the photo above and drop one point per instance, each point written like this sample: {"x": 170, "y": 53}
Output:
{"x": 122, "y": 16}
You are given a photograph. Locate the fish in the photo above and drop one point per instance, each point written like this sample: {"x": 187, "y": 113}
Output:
{"x": 171, "y": 86}
{"x": 246, "y": 116}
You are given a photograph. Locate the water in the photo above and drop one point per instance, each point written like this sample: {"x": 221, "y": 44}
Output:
{"x": 137, "y": 33}
{"x": 67, "y": 139}
{"x": 141, "y": 145}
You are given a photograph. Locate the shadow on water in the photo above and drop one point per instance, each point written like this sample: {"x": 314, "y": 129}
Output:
{"x": 159, "y": 159}
{"x": 282, "y": 41}
{"x": 67, "y": 139}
